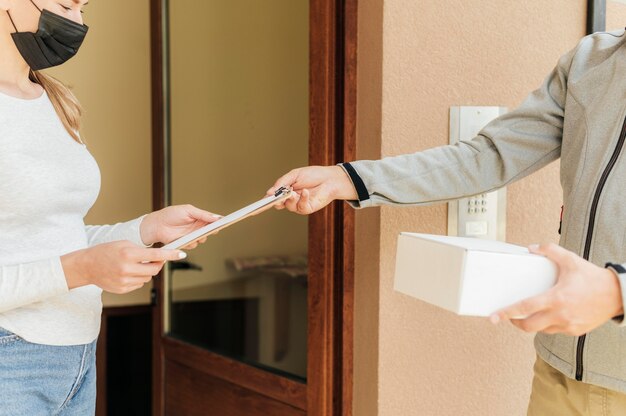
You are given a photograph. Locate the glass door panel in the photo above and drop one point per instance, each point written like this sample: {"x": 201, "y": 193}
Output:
{"x": 238, "y": 118}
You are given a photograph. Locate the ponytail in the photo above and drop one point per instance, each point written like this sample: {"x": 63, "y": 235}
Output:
{"x": 63, "y": 100}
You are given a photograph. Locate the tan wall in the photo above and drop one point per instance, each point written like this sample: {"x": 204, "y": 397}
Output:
{"x": 615, "y": 14}
{"x": 367, "y": 250}
{"x": 111, "y": 77}
{"x": 436, "y": 55}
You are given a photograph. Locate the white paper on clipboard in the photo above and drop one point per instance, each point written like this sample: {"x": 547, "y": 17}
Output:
{"x": 252, "y": 209}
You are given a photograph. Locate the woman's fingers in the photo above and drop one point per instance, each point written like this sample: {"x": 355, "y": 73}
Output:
{"x": 153, "y": 254}
{"x": 148, "y": 269}
{"x": 135, "y": 280}
{"x": 129, "y": 289}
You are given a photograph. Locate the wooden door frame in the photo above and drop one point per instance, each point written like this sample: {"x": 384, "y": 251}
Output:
{"x": 333, "y": 66}
{"x": 596, "y": 16}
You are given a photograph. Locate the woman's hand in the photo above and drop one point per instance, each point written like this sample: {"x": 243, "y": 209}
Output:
{"x": 117, "y": 267}
{"x": 173, "y": 222}
{"x": 315, "y": 187}
{"x": 584, "y": 297}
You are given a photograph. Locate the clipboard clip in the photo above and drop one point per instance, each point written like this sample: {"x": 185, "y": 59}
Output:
{"x": 282, "y": 191}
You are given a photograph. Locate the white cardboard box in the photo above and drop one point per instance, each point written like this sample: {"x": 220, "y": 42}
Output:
{"x": 469, "y": 276}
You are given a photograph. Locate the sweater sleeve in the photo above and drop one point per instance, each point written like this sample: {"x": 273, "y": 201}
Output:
{"x": 129, "y": 230}
{"x": 507, "y": 149}
{"x": 23, "y": 284}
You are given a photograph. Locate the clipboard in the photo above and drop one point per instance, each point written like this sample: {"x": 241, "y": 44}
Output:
{"x": 252, "y": 209}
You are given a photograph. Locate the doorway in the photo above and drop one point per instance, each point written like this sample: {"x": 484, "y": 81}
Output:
{"x": 258, "y": 320}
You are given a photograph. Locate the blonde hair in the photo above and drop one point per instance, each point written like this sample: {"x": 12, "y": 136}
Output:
{"x": 64, "y": 102}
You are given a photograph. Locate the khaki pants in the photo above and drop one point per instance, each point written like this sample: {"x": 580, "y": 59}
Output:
{"x": 553, "y": 394}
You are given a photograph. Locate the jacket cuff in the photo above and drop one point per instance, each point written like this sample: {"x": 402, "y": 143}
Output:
{"x": 620, "y": 271}
{"x": 359, "y": 185}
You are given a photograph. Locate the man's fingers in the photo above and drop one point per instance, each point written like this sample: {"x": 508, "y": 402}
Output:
{"x": 286, "y": 180}
{"x": 292, "y": 203}
{"x": 555, "y": 329}
{"x": 304, "y": 204}
{"x": 522, "y": 309}
{"x": 551, "y": 329}
{"x": 554, "y": 252}
{"x": 282, "y": 204}
{"x": 537, "y": 322}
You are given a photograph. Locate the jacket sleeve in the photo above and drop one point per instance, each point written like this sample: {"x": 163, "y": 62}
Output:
{"x": 23, "y": 284}
{"x": 507, "y": 149}
{"x": 130, "y": 230}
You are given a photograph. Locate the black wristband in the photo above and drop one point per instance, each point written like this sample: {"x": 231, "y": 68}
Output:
{"x": 620, "y": 270}
{"x": 617, "y": 267}
{"x": 361, "y": 190}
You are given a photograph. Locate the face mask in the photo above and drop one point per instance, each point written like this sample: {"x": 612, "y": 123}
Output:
{"x": 55, "y": 42}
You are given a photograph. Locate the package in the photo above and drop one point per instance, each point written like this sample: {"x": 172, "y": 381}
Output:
{"x": 469, "y": 276}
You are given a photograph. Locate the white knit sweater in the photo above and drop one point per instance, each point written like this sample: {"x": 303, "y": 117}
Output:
{"x": 48, "y": 183}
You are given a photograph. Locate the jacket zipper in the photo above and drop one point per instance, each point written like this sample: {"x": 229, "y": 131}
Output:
{"x": 592, "y": 220}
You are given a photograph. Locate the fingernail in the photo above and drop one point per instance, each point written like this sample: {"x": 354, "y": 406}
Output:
{"x": 533, "y": 247}
{"x": 494, "y": 319}
{"x": 182, "y": 254}
{"x": 218, "y": 216}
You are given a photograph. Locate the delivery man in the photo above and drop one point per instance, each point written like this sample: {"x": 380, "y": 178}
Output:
{"x": 578, "y": 115}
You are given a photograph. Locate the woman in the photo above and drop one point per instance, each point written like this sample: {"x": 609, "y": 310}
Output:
{"x": 53, "y": 268}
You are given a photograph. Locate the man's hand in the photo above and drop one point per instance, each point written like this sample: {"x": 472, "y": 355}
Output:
{"x": 584, "y": 297}
{"x": 315, "y": 187}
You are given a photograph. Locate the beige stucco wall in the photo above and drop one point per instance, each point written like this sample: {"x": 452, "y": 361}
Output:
{"x": 434, "y": 55}
{"x": 111, "y": 77}
{"x": 615, "y": 14}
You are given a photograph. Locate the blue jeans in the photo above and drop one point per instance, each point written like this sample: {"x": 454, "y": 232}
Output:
{"x": 44, "y": 380}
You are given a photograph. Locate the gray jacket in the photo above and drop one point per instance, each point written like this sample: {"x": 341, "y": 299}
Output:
{"x": 579, "y": 115}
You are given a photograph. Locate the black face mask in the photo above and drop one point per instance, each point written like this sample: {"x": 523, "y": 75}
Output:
{"x": 55, "y": 42}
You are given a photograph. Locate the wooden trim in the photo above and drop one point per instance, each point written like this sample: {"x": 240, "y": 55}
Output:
{"x": 158, "y": 192}
{"x": 596, "y": 16}
{"x": 350, "y": 40}
{"x": 322, "y": 225}
{"x": 333, "y": 87}
{"x": 257, "y": 380}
